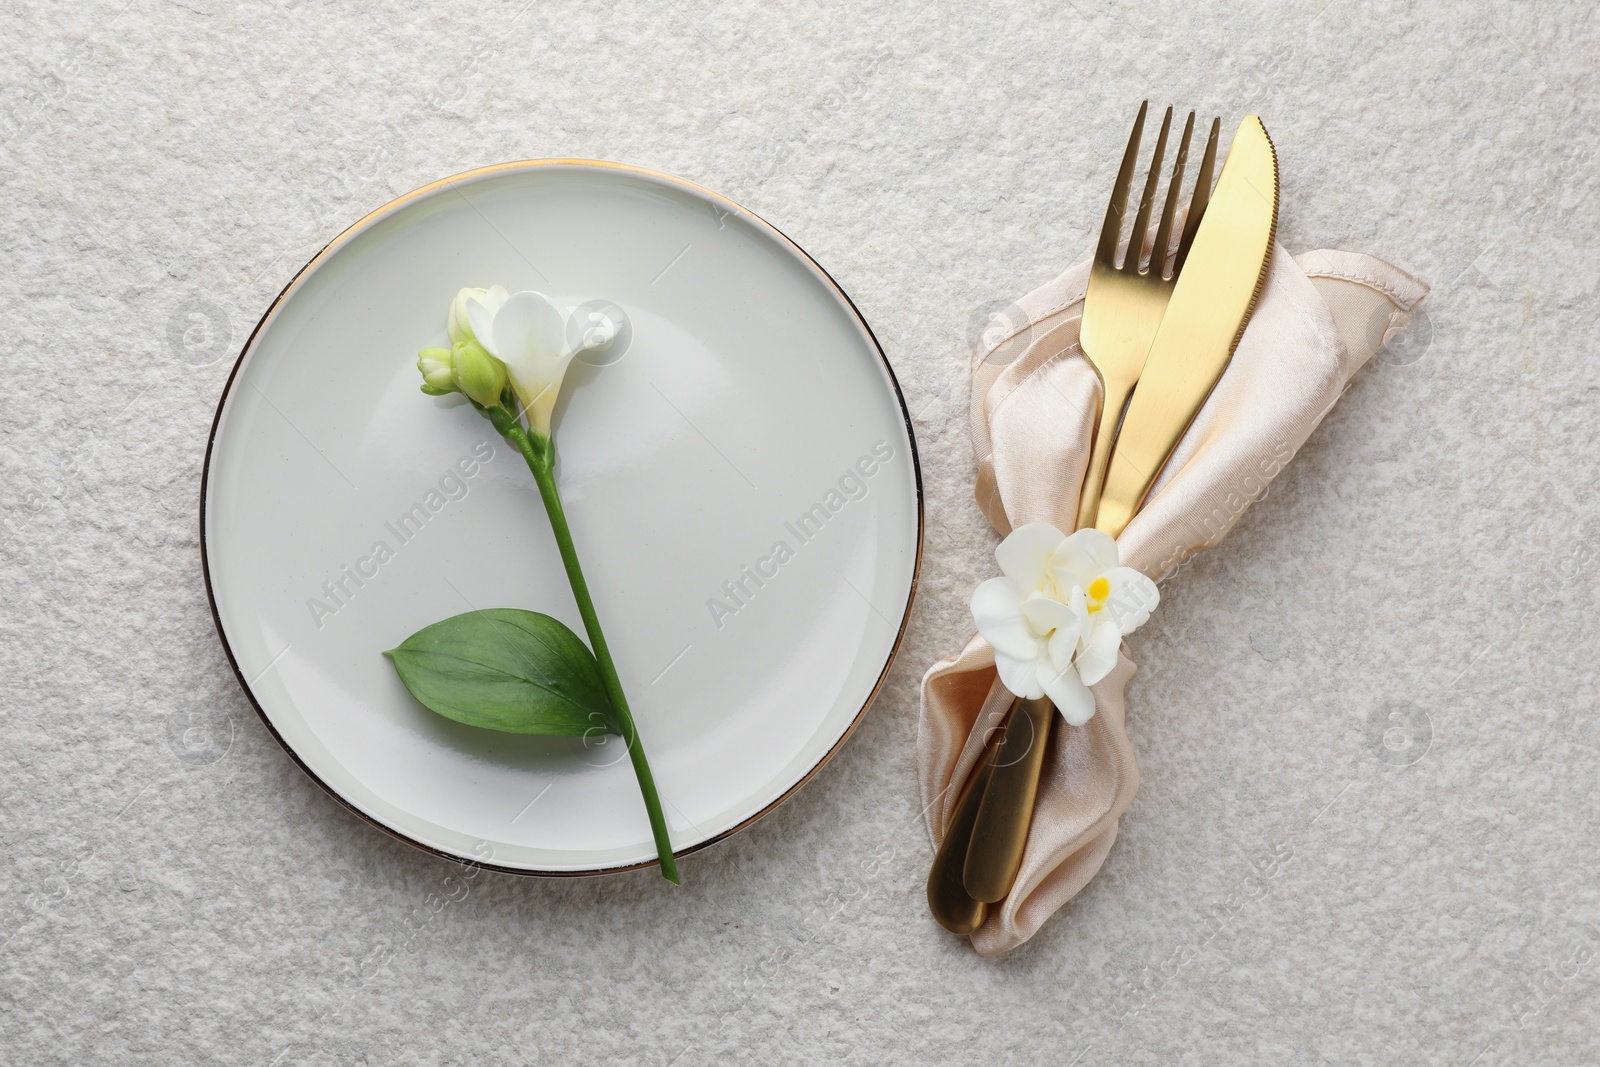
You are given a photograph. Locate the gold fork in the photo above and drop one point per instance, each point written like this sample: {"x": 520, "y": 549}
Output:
{"x": 1124, "y": 304}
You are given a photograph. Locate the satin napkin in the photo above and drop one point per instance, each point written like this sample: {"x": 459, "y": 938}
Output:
{"x": 1321, "y": 315}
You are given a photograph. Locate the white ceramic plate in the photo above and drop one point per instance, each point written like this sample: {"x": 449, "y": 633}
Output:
{"x": 752, "y": 409}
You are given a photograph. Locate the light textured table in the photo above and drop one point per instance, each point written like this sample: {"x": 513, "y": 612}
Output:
{"x": 1293, "y": 884}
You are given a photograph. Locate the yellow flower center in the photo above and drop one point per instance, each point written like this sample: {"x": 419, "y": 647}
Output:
{"x": 1099, "y": 592}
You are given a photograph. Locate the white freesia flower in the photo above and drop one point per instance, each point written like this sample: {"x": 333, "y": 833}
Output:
{"x": 1057, "y": 618}
{"x": 527, "y": 333}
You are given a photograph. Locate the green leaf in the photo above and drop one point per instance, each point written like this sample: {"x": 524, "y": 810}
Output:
{"x": 506, "y": 669}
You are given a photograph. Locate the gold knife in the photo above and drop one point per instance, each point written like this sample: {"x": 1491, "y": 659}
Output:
{"x": 1205, "y": 317}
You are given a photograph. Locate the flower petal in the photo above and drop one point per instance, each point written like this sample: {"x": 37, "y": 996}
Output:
{"x": 996, "y": 610}
{"x": 1064, "y": 626}
{"x": 1133, "y": 598}
{"x": 1099, "y": 653}
{"x": 1063, "y": 646}
{"x": 1046, "y": 613}
{"x": 1019, "y": 676}
{"x": 530, "y": 337}
{"x": 1024, "y": 555}
{"x": 1068, "y": 693}
{"x": 530, "y": 330}
{"x": 482, "y": 306}
{"x": 1088, "y": 554}
{"x": 1078, "y": 601}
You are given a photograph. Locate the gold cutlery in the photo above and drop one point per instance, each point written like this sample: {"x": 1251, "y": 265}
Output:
{"x": 1000, "y": 825}
{"x": 1210, "y": 304}
{"x": 1123, "y": 310}
{"x": 1124, "y": 304}
{"x": 1122, "y": 313}
{"x": 948, "y": 899}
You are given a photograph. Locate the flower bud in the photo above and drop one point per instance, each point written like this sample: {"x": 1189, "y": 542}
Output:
{"x": 460, "y": 329}
{"x": 438, "y": 371}
{"x": 477, "y": 373}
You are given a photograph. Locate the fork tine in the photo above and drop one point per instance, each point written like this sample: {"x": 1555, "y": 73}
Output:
{"x": 1201, "y": 197}
{"x": 1141, "y": 223}
{"x": 1111, "y": 230}
{"x": 1163, "y": 245}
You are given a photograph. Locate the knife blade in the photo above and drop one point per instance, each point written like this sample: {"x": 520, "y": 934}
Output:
{"x": 1210, "y": 305}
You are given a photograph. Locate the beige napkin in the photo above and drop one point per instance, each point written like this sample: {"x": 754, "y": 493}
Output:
{"x": 1320, "y": 317}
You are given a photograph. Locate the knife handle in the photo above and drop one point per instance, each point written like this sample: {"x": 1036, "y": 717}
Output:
{"x": 1000, "y": 831}
{"x": 955, "y": 910}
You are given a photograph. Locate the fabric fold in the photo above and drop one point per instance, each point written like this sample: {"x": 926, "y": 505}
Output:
{"x": 1320, "y": 317}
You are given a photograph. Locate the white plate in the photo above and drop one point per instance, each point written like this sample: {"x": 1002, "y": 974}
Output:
{"x": 753, "y": 408}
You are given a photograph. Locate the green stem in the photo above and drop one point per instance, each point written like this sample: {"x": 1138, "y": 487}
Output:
{"x": 540, "y": 454}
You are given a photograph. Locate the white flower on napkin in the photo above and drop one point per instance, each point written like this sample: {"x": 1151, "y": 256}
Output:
{"x": 1057, "y": 618}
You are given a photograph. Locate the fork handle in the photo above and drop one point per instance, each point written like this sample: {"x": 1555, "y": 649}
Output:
{"x": 1094, "y": 479}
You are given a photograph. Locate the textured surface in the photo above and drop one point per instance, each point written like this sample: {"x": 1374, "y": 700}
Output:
{"x": 1367, "y": 827}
